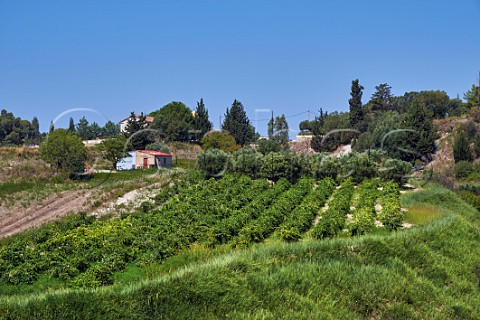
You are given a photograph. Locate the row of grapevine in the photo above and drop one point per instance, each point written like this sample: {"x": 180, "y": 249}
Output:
{"x": 89, "y": 254}
{"x": 364, "y": 215}
{"x": 226, "y": 229}
{"x": 333, "y": 219}
{"x": 257, "y": 230}
{"x": 302, "y": 217}
{"x": 392, "y": 215}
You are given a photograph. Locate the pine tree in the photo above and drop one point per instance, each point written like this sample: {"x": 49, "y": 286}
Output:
{"x": 461, "y": 148}
{"x": 111, "y": 129}
{"x": 52, "y": 127}
{"x": 237, "y": 124}
{"x": 202, "y": 124}
{"x": 355, "y": 102}
{"x": 382, "y": 99}
{"x": 134, "y": 124}
{"x": 420, "y": 119}
{"x": 71, "y": 125}
{"x": 83, "y": 129}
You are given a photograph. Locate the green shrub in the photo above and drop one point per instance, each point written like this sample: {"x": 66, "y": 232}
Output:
{"x": 463, "y": 169}
{"x": 277, "y": 165}
{"x": 470, "y": 198}
{"x": 393, "y": 169}
{"x": 247, "y": 161}
{"x": 363, "y": 221}
{"x": 213, "y": 162}
{"x": 392, "y": 215}
{"x": 289, "y": 233}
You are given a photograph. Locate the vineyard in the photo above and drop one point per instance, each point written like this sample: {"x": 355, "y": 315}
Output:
{"x": 233, "y": 211}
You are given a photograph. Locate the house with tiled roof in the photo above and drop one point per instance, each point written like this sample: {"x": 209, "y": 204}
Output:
{"x": 123, "y": 122}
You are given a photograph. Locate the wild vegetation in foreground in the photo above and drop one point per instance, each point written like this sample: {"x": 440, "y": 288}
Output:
{"x": 427, "y": 272}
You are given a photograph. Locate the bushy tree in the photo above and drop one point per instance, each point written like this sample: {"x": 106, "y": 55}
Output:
{"x": 113, "y": 149}
{"x": 359, "y": 166}
{"x": 277, "y": 165}
{"x": 220, "y": 140}
{"x": 15, "y": 131}
{"x": 396, "y": 170}
{"x": 328, "y": 168}
{"x": 238, "y": 125}
{"x": 436, "y": 101}
{"x": 266, "y": 146}
{"x": 461, "y": 148}
{"x": 64, "y": 150}
{"x": 387, "y": 132}
{"x": 213, "y": 162}
{"x": 247, "y": 161}
{"x": 174, "y": 121}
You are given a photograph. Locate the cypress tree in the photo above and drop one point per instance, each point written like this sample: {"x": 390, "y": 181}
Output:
{"x": 202, "y": 124}
{"x": 71, "y": 125}
{"x": 238, "y": 125}
{"x": 35, "y": 130}
{"x": 356, "y": 111}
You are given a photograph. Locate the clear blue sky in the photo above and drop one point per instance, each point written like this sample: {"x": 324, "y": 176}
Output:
{"x": 290, "y": 56}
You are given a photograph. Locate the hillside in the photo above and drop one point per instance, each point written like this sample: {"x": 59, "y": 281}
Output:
{"x": 411, "y": 274}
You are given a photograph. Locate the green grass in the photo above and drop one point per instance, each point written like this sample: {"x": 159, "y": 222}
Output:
{"x": 185, "y": 163}
{"x": 8, "y": 188}
{"x": 423, "y": 214}
{"x": 428, "y": 272}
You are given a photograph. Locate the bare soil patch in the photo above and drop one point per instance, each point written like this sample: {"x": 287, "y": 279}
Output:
{"x": 15, "y": 220}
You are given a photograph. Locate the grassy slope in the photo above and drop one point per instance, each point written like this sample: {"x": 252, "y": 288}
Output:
{"x": 428, "y": 272}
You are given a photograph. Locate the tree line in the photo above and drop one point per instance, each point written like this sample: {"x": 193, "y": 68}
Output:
{"x": 16, "y": 131}
{"x": 401, "y": 125}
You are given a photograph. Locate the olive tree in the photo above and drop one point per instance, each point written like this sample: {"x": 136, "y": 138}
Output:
{"x": 64, "y": 150}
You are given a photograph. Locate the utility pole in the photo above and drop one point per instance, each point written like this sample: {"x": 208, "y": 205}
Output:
{"x": 272, "y": 127}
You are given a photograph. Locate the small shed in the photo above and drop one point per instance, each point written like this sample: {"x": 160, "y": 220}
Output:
{"x": 128, "y": 163}
{"x": 153, "y": 159}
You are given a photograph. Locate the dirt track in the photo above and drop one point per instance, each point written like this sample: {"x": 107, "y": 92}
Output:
{"x": 15, "y": 220}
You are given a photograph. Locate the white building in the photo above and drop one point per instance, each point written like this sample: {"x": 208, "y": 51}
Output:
{"x": 123, "y": 123}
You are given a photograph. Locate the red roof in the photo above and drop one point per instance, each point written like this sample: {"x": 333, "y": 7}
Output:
{"x": 147, "y": 118}
{"x": 155, "y": 153}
